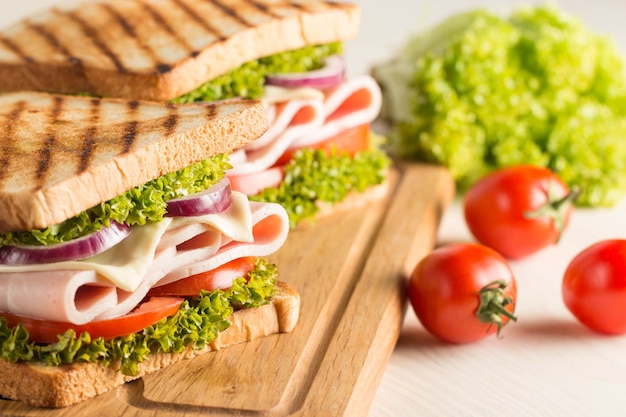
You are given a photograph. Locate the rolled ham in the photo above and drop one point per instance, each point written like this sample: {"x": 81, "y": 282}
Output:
{"x": 293, "y": 120}
{"x": 301, "y": 122}
{"x": 184, "y": 248}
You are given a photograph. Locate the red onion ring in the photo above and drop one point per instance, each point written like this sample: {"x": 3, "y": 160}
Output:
{"x": 330, "y": 75}
{"x": 80, "y": 248}
{"x": 215, "y": 199}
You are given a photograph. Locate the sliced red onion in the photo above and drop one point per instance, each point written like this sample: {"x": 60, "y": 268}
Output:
{"x": 213, "y": 200}
{"x": 330, "y": 75}
{"x": 80, "y": 248}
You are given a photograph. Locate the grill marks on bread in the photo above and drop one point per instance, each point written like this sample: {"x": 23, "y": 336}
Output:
{"x": 61, "y": 155}
{"x": 130, "y": 132}
{"x": 169, "y": 29}
{"x": 198, "y": 19}
{"x": 57, "y": 136}
{"x": 170, "y": 123}
{"x": 154, "y": 27}
{"x": 90, "y": 135}
{"x": 13, "y": 48}
{"x": 46, "y": 151}
{"x": 95, "y": 37}
{"x": 8, "y": 146}
{"x": 129, "y": 29}
{"x": 54, "y": 42}
{"x": 159, "y": 49}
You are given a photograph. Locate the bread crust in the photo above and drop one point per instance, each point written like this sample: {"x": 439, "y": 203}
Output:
{"x": 153, "y": 55}
{"x": 40, "y": 385}
{"x": 48, "y": 176}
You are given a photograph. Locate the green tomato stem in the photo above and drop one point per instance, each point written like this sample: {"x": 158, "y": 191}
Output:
{"x": 492, "y": 307}
{"x": 555, "y": 208}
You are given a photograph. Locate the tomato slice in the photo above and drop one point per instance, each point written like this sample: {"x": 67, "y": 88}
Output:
{"x": 221, "y": 277}
{"x": 148, "y": 313}
{"x": 352, "y": 141}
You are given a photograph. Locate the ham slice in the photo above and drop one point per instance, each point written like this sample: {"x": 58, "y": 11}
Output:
{"x": 293, "y": 119}
{"x": 204, "y": 252}
{"x": 71, "y": 296}
{"x": 81, "y": 296}
{"x": 355, "y": 102}
{"x": 298, "y": 123}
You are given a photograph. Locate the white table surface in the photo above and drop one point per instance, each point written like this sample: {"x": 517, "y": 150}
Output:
{"x": 546, "y": 364}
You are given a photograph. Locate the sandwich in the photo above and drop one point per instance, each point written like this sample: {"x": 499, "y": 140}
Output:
{"x": 319, "y": 154}
{"x": 123, "y": 248}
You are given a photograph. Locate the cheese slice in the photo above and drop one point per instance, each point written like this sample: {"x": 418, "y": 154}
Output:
{"x": 126, "y": 263}
{"x": 274, "y": 94}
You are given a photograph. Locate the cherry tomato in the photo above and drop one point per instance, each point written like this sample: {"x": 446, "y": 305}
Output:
{"x": 221, "y": 277}
{"x": 519, "y": 210}
{"x": 594, "y": 286}
{"x": 463, "y": 292}
{"x": 148, "y": 313}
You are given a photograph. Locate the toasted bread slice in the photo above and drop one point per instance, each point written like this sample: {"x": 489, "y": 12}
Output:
{"x": 62, "y": 155}
{"x": 159, "y": 49}
{"x": 60, "y": 386}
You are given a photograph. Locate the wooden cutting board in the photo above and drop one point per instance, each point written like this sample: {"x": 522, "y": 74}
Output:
{"x": 350, "y": 270}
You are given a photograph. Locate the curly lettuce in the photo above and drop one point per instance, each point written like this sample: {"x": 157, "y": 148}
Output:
{"x": 143, "y": 204}
{"x": 537, "y": 87}
{"x": 314, "y": 175}
{"x": 197, "y": 323}
{"x": 248, "y": 80}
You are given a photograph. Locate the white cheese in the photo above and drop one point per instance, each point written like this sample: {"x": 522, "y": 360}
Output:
{"x": 125, "y": 264}
{"x": 236, "y": 222}
{"x": 274, "y": 94}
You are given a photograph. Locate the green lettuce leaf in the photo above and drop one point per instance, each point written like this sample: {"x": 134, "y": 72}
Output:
{"x": 479, "y": 92}
{"x": 314, "y": 175}
{"x": 197, "y": 323}
{"x": 248, "y": 80}
{"x": 140, "y": 205}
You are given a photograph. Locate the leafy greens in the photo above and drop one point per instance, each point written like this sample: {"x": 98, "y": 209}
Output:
{"x": 248, "y": 80}
{"x": 314, "y": 175}
{"x": 487, "y": 92}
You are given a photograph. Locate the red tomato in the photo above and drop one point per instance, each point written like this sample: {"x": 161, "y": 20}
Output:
{"x": 352, "y": 140}
{"x": 148, "y": 313}
{"x": 221, "y": 277}
{"x": 463, "y": 292}
{"x": 594, "y": 286}
{"x": 519, "y": 210}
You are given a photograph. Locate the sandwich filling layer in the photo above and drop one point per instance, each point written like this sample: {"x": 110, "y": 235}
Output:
{"x": 319, "y": 147}
{"x": 197, "y": 322}
{"x": 77, "y": 299}
{"x": 115, "y": 282}
{"x": 142, "y": 204}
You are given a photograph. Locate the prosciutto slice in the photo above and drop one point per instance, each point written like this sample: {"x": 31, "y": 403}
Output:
{"x": 81, "y": 296}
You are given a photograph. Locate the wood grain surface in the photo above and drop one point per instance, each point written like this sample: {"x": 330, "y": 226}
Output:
{"x": 350, "y": 270}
